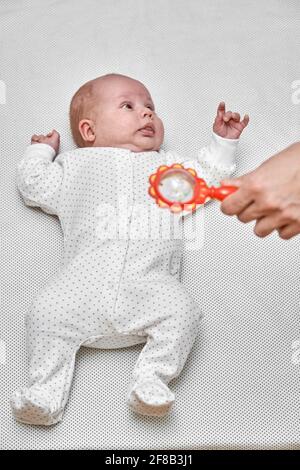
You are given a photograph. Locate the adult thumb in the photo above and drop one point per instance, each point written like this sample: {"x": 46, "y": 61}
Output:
{"x": 231, "y": 182}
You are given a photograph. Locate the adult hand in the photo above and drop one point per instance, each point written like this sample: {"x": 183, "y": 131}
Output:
{"x": 270, "y": 195}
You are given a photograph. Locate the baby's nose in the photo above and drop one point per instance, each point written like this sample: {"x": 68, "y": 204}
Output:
{"x": 147, "y": 112}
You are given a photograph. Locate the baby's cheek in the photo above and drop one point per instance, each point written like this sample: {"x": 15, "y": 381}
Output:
{"x": 161, "y": 130}
{"x": 158, "y": 124}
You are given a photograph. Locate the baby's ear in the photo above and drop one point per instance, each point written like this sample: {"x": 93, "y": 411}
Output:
{"x": 86, "y": 128}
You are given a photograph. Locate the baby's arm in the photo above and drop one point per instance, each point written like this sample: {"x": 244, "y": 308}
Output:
{"x": 215, "y": 160}
{"x": 39, "y": 178}
{"x": 218, "y": 158}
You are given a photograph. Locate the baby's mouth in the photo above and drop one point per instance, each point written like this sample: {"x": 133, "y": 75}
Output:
{"x": 147, "y": 130}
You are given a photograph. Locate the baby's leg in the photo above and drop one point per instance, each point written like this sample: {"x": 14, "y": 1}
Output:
{"x": 52, "y": 361}
{"x": 51, "y": 349}
{"x": 62, "y": 317}
{"x": 171, "y": 326}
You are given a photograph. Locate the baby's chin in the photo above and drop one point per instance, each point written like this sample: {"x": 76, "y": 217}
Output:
{"x": 144, "y": 149}
{"x": 145, "y": 144}
{"x": 138, "y": 148}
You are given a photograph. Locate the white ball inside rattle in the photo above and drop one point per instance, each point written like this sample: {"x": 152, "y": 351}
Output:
{"x": 177, "y": 185}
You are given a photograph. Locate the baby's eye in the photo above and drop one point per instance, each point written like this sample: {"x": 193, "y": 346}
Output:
{"x": 126, "y": 104}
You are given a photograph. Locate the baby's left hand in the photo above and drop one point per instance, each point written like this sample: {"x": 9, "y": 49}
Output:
{"x": 228, "y": 124}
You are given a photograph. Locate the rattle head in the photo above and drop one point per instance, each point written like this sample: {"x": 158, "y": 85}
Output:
{"x": 177, "y": 185}
{"x": 180, "y": 188}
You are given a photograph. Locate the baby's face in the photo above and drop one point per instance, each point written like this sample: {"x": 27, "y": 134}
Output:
{"x": 125, "y": 106}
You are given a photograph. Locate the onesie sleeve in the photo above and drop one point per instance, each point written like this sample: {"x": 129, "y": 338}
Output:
{"x": 216, "y": 161}
{"x": 39, "y": 178}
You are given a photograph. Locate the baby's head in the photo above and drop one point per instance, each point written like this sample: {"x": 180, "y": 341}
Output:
{"x": 110, "y": 110}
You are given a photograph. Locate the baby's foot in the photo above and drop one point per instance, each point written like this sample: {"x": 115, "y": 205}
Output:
{"x": 33, "y": 406}
{"x": 151, "y": 398}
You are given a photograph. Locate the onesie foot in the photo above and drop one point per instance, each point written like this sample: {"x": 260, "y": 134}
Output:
{"x": 150, "y": 398}
{"x": 33, "y": 406}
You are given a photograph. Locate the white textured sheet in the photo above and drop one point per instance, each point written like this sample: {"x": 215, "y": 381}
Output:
{"x": 240, "y": 386}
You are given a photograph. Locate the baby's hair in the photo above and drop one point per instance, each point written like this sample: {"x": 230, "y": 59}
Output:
{"x": 82, "y": 105}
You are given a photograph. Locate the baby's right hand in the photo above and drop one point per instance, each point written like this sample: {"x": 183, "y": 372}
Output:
{"x": 52, "y": 138}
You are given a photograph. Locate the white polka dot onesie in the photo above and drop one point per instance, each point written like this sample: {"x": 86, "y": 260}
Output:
{"x": 113, "y": 289}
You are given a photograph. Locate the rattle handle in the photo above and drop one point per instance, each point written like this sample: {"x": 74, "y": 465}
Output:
{"x": 222, "y": 191}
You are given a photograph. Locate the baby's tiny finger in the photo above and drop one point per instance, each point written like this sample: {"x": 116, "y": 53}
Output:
{"x": 236, "y": 116}
{"x": 221, "y": 109}
{"x": 227, "y": 116}
{"x": 245, "y": 121}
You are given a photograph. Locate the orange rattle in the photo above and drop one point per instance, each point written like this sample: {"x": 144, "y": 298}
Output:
{"x": 180, "y": 189}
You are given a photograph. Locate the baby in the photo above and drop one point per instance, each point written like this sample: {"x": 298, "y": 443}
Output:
{"x": 111, "y": 292}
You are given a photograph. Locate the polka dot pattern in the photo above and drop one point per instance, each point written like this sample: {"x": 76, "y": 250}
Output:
{"x": 118, "y": 284}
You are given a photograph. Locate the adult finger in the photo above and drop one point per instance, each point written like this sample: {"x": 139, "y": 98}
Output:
{"x": 237, "y": 202}
{"x": 288, "y": 231}
{"x": 232, "y": 181}
{"x": 265, "y": 225}
{"x": 249, "y": 213}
